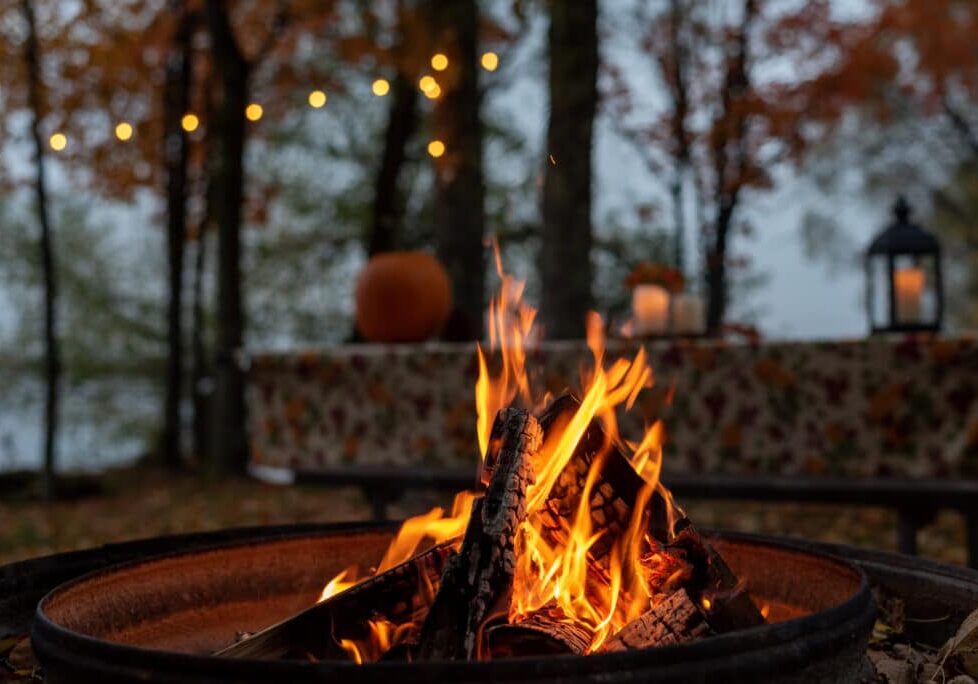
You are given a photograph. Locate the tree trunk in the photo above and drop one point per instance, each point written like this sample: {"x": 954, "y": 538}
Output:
{"x": 229, "y": 439}
{"x": 731, "y": 160}
{"x": 52, "y": 352}
{"x": 202, "y": 372}
{"x": 460, "y": 210}
{"x": 200, "y": 375}
{"x": 387, "y": 209}
{"x": 680, "y": 97}
{"x": 716, "y": 272}
{"x": 176, "y": 95}
{"x": 565, "y": 258}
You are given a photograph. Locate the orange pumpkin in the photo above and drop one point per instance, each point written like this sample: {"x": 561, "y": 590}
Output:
{"x": 402, "y": 297}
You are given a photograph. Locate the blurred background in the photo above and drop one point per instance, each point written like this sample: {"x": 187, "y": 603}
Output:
{"x": 185, "y": 178}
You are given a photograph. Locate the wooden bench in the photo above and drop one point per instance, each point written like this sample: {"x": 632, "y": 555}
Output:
{"x": 916, "y": 501}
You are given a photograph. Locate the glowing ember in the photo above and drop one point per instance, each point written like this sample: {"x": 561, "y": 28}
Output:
{"x": 556, "y": 569}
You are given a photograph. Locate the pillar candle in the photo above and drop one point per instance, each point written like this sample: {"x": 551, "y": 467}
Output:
{"x": 650, "y": 309}
{"x": 908, "y": 286}
{"x": 688, "y": 314}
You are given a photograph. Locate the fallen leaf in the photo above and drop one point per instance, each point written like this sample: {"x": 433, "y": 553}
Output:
{"x": 963, "y": 646}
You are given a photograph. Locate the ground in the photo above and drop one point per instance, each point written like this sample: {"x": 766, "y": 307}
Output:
{"x": 145, "y": 502}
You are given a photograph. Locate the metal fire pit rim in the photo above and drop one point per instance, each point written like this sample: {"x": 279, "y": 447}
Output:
{"x": 864, "y": 556}
{"x": 751, "y": 647}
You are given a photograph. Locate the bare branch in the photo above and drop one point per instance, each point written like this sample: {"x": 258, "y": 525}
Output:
{"x": 962, "y": 126}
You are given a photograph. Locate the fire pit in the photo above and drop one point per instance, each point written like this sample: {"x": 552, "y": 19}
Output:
{"x": 159, "y": 620}
{"x": 570, "y": 561}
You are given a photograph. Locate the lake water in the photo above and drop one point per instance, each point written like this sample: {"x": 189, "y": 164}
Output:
{"x": 104, "y": 422}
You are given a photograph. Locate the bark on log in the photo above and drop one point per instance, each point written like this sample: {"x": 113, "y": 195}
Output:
{"x": 612, "y": 500}
{"x": 479, "y": 577}
{"x": 615, "y": 490}
{"x": 675, "y": 620}
{"x": 542, "y": 633}
{"x": 393, "y": 595}
{"x": 731, "y": 606}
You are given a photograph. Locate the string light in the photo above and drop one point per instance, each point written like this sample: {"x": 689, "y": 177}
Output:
{"x": 381, "y": 87}
{"x": 189, "y": 122}
{"x": 427, "y": 83}
{"x": 254, "y": 111}
{"x": 439, "y": 62}
{"x": 489, "y": 61}
{"x": 317, "y": 99}
{"x": 436, "y": 148}
{"x": 58, "y": 142}
{"x": 123, "y": 130}
{"x": 433, "y": 92}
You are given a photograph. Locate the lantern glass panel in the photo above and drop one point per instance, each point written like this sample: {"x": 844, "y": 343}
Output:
{"x": 878, "y": 292}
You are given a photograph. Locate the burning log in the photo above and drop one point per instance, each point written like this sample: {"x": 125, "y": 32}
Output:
{"x": 395, "y": 595}
{"x": 542, "y": 633}
{"x": 480, "y": 575}
{"x": 455, "y": 597}
{"x": 673, "y": 621}
{"x": 726, "y": 600}
{"x": 613, "y": 498}
{"x": 615, "y": 491}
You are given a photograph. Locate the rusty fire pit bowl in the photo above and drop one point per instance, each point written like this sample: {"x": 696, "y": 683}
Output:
{"x": 158, "y": 620}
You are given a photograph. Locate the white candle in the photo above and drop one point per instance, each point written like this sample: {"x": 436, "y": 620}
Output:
{"x": 650, "y": 309}
{"x": 908, "y": 285}
{"x": 688, "y": 314}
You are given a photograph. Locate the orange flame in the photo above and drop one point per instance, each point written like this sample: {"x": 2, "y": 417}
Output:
{"x": 432, "y": 527}
{"x": 564, "y": 573}
{"x": 557, "y": 568}
{"x": 510, "y": 322}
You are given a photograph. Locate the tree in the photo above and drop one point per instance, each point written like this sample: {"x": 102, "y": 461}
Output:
{"x": 176, "y": 100}
{"x": 234, "y": 69}
{"x": 402, "y": 120}
{"x": 723, "y": 127}
{"x": 459, "y": 187}
{"x": 565, "y": 255}
{"x": 52, "y": 354}
{"x": 900, "y": 97}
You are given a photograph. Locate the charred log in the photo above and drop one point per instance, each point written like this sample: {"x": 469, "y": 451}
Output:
{"x": 714, "y": 584}
{"x": 615, "y": 491}
{"x": 612, "y": 500}
{"x": 542, "y": 633}
{"x": 479, "y": 577}
{"x": 673, "y": 621}
{"x": 397, "y": 595}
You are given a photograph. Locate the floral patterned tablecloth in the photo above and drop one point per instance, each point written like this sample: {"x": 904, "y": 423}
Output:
{"x": 905, "y": 406}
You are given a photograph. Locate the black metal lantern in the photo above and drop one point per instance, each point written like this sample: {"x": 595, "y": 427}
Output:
{"x": 904, "y": 291}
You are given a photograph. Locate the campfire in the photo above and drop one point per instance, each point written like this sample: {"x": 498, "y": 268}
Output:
{"x": 570, "y": 545}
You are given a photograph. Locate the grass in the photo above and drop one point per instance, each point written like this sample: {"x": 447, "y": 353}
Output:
{"x": 144, "y": 502}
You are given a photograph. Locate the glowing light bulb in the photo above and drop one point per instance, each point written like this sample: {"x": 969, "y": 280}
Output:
{"x": 436, "y": 148}
{"x": 433, "y": 92}
{"x": 123, "y": 130}
{"x": 58, "y": 142}
{"x": 381, "y": 87}
{"x": 427, "y": 83}
{"x": 439, "y": 62}
{"x": 489, "y": 61}
{"x": 317, "y": 99}
{"x": 190, "y": 122}
{"x": 254, "y": 111}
